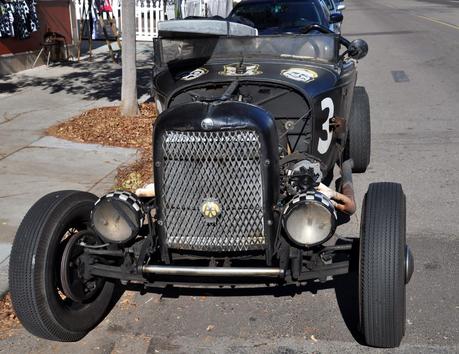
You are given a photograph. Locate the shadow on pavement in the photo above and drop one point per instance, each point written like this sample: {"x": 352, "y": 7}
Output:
{"x": 347, "y": 294}
{"x": 346, "y": 290}
{"x": 91, "y": 80}
{"x": 262, "y": 290}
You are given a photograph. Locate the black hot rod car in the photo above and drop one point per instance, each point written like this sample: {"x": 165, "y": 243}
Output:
{"x": 253, "y": 154}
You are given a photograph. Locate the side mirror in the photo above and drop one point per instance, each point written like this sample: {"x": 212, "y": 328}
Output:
{"x": 335, "y": 18}
{"x": 341, "y": 7}
{"x": 357, "y": 49}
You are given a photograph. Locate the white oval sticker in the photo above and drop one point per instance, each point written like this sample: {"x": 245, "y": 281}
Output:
{"x": 299, "y": 74}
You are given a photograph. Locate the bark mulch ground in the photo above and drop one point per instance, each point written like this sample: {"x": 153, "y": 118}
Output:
{"x": 106, "y": 126}
{"x": 8, "y": 319}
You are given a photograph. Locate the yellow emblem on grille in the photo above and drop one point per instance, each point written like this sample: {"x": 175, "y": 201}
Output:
{"x": 210, "y": 209}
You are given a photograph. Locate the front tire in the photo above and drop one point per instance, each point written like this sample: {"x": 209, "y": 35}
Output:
{"x": 35, "y": 266}
{"x": 382, "y": 266}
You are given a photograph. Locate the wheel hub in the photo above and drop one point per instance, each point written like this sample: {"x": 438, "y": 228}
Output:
{"x": 409, "y": 264}
{"x": 74, "y": 284}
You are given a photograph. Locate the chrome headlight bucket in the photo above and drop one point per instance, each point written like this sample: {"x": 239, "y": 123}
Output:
{"x": 117, "y": 217}
{"x": 309, "y": 219}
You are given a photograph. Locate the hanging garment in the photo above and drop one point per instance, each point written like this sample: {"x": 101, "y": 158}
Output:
{"x": 219, "y": 8}
{"x": 33, "y": 16}
{"x": 18, "y": 18}
{"x": 170, "y": 9}
{"x": 6, "y": 20}
{"x": 103, "y": 5}
{"x": 94, "y": 21}
{"x": 21, "y": 17}
{"x": 193, "y": 8}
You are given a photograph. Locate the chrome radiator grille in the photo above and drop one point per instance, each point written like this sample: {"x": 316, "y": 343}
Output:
{"x": 218, "y": 166}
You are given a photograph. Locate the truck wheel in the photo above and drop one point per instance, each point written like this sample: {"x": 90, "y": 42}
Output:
{"x": 44, "y": 238}
{"x": 382, "y": 266}
{"x": 359, "y": 137}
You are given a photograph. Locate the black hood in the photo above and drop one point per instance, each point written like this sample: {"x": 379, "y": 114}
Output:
{"x": 172, "y": 79}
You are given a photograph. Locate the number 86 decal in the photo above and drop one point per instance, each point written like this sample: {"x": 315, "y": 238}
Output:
{"x": 323, "y": 146}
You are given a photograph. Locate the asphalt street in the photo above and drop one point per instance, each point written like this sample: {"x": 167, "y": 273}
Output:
{"x": 412, "y": 76}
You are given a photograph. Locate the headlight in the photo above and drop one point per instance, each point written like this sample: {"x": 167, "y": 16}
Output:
{"x": 309, "y": 219}
{"x": 117, "y": 217}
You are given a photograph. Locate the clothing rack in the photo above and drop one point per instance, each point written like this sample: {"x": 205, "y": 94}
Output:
{"x": 87, "y": 22}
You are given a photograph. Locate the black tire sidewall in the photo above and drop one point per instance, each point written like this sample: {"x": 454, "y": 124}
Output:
{"x": 382, "y": 317}
{"x": 86, "y": 317}
{"x": 358, "y": 143}
{"x": 34, "y": 270}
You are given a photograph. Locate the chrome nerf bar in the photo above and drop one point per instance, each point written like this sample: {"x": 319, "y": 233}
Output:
{"x": 213, "y": 271}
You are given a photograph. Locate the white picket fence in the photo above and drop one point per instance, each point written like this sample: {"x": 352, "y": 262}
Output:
{"x": 148, "y": 14}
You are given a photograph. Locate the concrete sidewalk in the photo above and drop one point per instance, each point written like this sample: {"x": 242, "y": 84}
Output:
{"x": 32, "y": 164}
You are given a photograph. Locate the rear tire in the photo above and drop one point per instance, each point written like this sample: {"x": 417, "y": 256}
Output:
{"x": 359, "y": 137}
{"x": 35, "y": 261}
{"x": 382, "y": 266}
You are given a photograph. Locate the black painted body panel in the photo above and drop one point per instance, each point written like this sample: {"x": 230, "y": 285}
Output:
{"x": 333, "y": 81}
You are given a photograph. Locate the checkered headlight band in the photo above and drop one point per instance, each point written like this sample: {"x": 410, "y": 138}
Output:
{"x": 117, "y": 217}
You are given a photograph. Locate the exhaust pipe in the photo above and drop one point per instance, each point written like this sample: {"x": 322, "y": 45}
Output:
{"x": 213, "y": 271}
{"x": 347, "y": 188}
{"x": 344, "y": 201}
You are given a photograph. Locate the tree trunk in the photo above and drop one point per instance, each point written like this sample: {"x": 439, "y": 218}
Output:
{"x": 129, "y": 105}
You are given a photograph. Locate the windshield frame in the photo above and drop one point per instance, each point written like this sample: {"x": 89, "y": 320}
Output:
{"x": 158, "y": 57}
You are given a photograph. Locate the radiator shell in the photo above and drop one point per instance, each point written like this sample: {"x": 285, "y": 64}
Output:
{"x": 247, "y": 221}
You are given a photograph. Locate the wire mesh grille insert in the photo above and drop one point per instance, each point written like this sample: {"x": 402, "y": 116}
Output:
{"x": 218, "y": 167}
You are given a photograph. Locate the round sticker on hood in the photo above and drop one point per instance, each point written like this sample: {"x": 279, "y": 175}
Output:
{"x": 299, "y": 74}
{"x": 192, "y": 75}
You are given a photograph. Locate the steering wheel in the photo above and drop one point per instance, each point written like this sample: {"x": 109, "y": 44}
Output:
{"x": 315, "y": 26}
{"x": 323, "y": 29}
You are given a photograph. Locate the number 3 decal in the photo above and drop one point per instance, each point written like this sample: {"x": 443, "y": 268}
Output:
{"x": 323, "y": 146}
